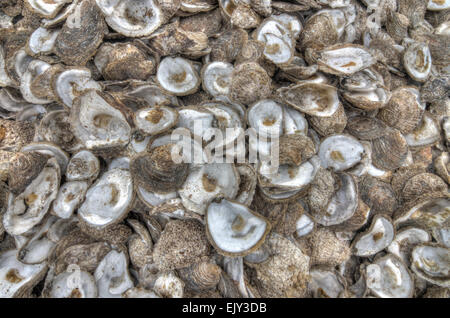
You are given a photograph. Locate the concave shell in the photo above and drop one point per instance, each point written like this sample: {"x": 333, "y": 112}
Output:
{"x": 405, "y": 240}
{"x": 71, "y": 83}
{"x": 34, "y": 70}
{"x": 42, "y": 41}
{"x": 442, "y": 167}
{"x": 417, "y": 61}
{"x": 178, "y": 76}
{"x": 311, "y": 98}
{"x": 156, "y": 171}
{"x": 266, "y": 117}
{"x": 344, "y": 59}
{"x": 438, "y": 5}
{"x": 81, "y": 34}
{"x": 133, "y": 19}
{"x": 29, "y": 208}
{"x": 47, "y": 9}
{"x": 70, "y": 196}
{"x": 108, "y": 200}
{"x": 340, "y": 152}
{"x": 388, "y": 277}
{"x": 216, "y": 78}
{"x": 432, "y": 262}
{"x": 207, "y": 182}
{"x": 233, "y": 229}
{"x": 326, "y": 283}
{"x": 376, "y": 238}
{"x": 112, "y": 276}
{"x": 76, "y": 284}
{"x": 17, "y": 278}
{"x": 97, "y": 123}
{"x": 122, "y": 61}
{"x": 155, "y": 120}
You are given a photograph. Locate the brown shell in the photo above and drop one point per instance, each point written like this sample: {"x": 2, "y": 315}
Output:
{"x": 366, "y": 128}
{"x": 140, "y": 245}
{"x": 389, "y": 151}
{"x": 114, "y": 234}
{"x": 24, "y": 167}
{"x": 287, "y": 225}
{"x": 397, "y": 25}
{"x": 295, "y": 149}
{"x": 244, "y": 17}
{"x": 285, "y": 273}
{"x": 334, "y": 124}
{"x": 402, "y": 175}
{"x": 15, "y": 134}
{"x": 227, "y": 45}
{"x": 208, "y": 23}
{"x": 434, "y": 88}
{"x": 201, "y": 276}
{"x": 378, "y": 195}
{"x": 156, "y": 171}
{"x": 442, "y": 166}
{"x": 326, "y": 249}
{"x": 322, "y": 190}
{"x": 402, "y": 111}
{"x": 126, "y": 61}
{"x": 41, "y": 86}
{"x": 421, "y": 184}
{"x": 272, "y": 211}
{"x": 249, "y": 83}
{"x": 76, "y": 45}
{"x": 181, "y": 244}
{"x": 358, "y": 219}
{"x": 173, "y": 40}
{"x": 252, "y": 51}
{"x": 86, "y": 256}
{"x": 318, "y": 33}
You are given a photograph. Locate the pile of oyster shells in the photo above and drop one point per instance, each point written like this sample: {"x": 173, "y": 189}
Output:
{"x": 92, "y": 204}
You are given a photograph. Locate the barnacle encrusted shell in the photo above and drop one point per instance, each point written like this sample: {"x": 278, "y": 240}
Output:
{"x": 181, "y": 244}
{"x": 233, "y": 229}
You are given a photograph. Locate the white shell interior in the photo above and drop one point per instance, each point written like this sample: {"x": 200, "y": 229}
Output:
{"x": 340, "y": 152}
{"x": 377, "y": 238}
{"x": 83, "y": 165}
{"x": 177, "y": 76}
{"x": 233, "y": 227}
{"x": 145, "y": 119}
{"x": 70, "y": 196}
{"x": 79, "y": 284}
{"x": 108, "y": 199}
{"x": 217, "y": 78}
